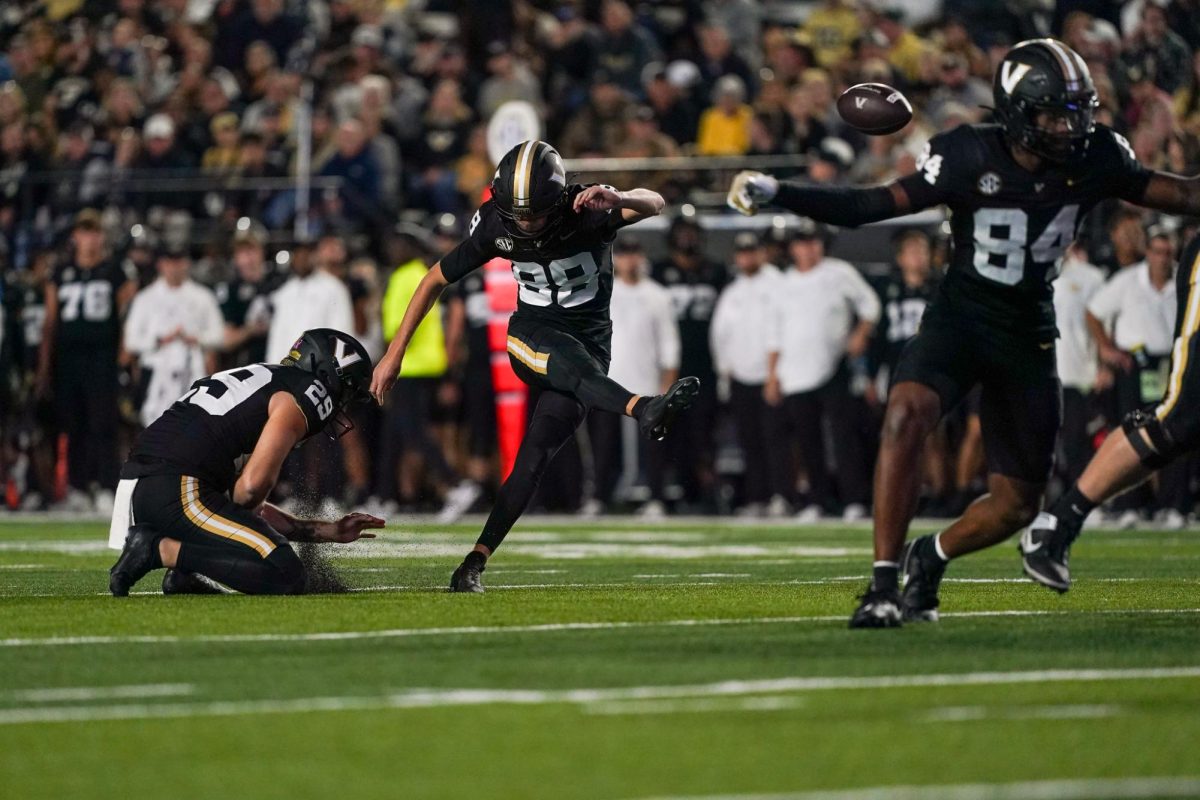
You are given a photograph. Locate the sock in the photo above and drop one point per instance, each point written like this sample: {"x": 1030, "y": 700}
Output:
{"x": 639, "y": 407}
{"x": 475, "y": 559}
{"x": 158, "y": 564}
{"x": 1073, "y": 507}
{"x": 554, "y": 422}
{"x": 937, "y": 547}
{"x": 886, "y": 576}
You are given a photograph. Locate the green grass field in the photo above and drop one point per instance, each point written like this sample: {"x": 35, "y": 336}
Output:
{"x": 609, "y": 660}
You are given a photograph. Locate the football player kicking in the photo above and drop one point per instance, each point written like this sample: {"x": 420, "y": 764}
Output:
{"x": 559, "y": 239}
{"x": 190, "y": 510}
{"x": 1016, "y": 191}
{"x": 1146, "y": 442}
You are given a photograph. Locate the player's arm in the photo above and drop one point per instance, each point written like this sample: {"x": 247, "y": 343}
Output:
{"x": 49, "y": 331}
{"x": 1173, "y": 194}
{"x": 832, "y": 205}
{"x": 127, "y": 290}
{"x": 456, "y": 327}
{"x": 428, "y": 290}
{"x": 867, "y": 308}
{"x": 285, "y": 427}
{"x": 343, "y": 531}
{"x": 1110, "y": 355}
{"x": 931, "y": 185}
{"x": 634, "y": 205}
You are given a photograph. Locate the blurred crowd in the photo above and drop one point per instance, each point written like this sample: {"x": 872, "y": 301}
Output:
{"x": 149, "y": 207}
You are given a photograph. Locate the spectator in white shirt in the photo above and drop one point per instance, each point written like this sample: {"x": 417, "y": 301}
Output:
{"x": 174, "y": 328}
{"x": 1077, "y": 283}
{"x": 1132, "y": 319}
{"x": 645, "y": 358}
{"x": 739, "y": 348}
{"x": 824, "y": 312}
{"x": 310, "y": 298}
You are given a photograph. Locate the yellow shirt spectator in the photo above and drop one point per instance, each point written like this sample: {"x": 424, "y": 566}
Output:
{"x": 830, "y": 29}
{"x": 426, "y": 353}
{"x": 906, "y": 54}
{"x": 723, "y": 133}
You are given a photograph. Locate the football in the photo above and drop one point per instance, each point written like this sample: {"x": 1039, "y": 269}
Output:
{"x": 874, "y": 108}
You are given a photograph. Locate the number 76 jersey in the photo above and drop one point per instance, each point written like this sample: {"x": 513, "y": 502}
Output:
{"x": 1010, "y": 227}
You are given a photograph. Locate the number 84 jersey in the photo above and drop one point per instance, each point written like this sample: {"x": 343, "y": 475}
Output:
{"x": 207, "y": 432}
{"x": 1010, "y": 226}
{"x": 564, "y": 278}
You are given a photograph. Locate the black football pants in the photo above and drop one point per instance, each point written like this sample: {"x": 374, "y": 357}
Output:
{"x": 218, "y": 538}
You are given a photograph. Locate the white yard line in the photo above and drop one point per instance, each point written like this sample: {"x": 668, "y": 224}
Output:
{"x": 502, "y": 630}
{"x": 980, "y": 713}
{"x": 440, "y": 698}
{"x": 1087, "y": 789}
{"x": 60, "y": 694}
{"x": 23, "y": 566}
{"x": 693, "y": 706}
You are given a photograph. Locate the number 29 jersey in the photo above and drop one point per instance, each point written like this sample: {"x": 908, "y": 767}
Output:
{"x": 206, "y": 433}
{"x": 565, "y": 279}
{"x": 1010, "y": 226}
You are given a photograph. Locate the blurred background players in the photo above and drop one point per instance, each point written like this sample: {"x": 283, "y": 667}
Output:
{"x": 245, "y": 300}
{"x": 823, "y": 313}
{"x": 409, "y": 412}
{"x": 694, "y": 281}
{"x": 174, "y": 328}
{"x": 1077, "y": 282}
{"x": 739, "y": 348}
{"x": 645, "y": 360}
{"x": 77, "y": 363}
{"x": 1132, "y": 319}
{"x": 468, "y": 314}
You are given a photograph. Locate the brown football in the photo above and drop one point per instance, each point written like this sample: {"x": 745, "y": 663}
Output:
{"x": 874, "y": 108}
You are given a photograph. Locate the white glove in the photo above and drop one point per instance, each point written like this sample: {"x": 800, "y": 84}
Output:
{"x": 749, "y": 189}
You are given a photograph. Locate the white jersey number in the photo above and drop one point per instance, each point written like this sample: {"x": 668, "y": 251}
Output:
{"x": 567, "y": 282}
{"x": 1000, "y": 242}
{"x": 94, "y": 298}
{"x": 220, "y": 393}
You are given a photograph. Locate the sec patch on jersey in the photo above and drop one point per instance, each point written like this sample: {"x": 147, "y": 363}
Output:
{"x": 874, "y": 108}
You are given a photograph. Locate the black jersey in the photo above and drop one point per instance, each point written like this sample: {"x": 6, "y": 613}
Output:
{"x": 206, "y": 432}
{"x": 565, "y": 281}
{"x": 472, "y": 290}
{"x": 903, "y": 307}
{"x": 1011, "y": 226}
{"x": 240, "y": 301}
{"x": 694, "y": 295}
{"x": 89, "y": 321}
{"x": 31, "y": 308}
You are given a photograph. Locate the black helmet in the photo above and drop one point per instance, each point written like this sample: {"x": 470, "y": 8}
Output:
{"x": 342, "y": 365}
{"x": 1046, "y": 76}
{"x": 530, "y": 183}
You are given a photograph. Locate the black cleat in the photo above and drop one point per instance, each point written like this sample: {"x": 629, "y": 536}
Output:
{"x": 138, "y": 557}
{"x": 468, "y": 578}
{"x": 662, "y": 410}
{"x": 176, "y": 581}
{"x": 878, "y": 609}
{"x": 1045, "y": 551}
{"x": 922, "y": 572}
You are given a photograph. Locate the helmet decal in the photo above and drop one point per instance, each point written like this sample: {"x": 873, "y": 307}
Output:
{"x": 1011, "y": 73}
{"x": 522, "y": 175}
{"x": 341, "y": 356}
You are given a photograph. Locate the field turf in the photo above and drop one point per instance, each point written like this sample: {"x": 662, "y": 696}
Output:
{"x": 608, "y": 660}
